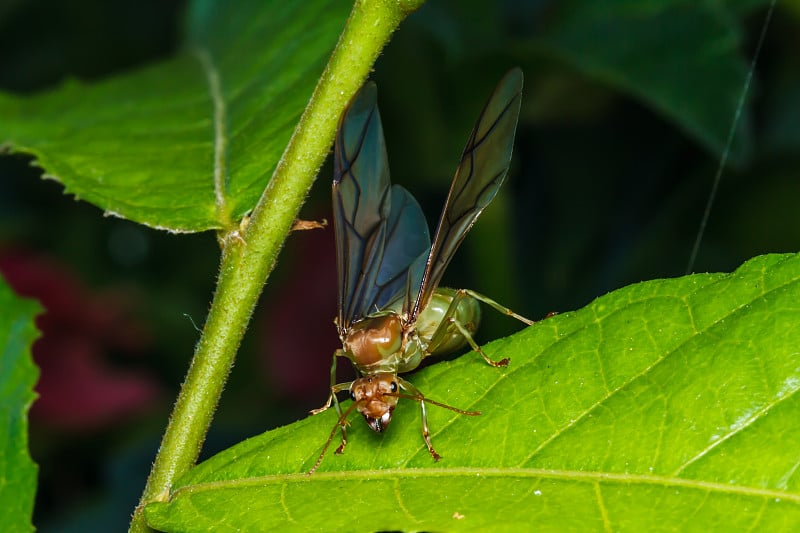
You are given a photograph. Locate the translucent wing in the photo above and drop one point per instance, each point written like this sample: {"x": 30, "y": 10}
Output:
{"x": 482, "y": 170}
{"x": 408, "y": 244}
{"x": 380, "y": 230}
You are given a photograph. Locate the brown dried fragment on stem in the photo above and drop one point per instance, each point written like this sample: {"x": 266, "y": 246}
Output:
{"x": 302, "y": 225}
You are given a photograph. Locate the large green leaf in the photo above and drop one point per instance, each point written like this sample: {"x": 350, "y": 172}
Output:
{"x": 188, "y": 144}
{"x": 18, "y": 375}
{"x": 669, "y": 404}
{"x": 683, "y": 58}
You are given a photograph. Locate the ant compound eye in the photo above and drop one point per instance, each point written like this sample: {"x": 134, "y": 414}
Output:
{"x": 352, "y": 395}
{"x": 393, "y": 386}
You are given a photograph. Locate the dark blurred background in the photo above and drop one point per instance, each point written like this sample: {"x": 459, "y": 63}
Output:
{"x": 604, "y": 190}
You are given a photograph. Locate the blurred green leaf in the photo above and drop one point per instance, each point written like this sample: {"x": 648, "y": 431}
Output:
{"x": 188, "y": 144}
{"x": 669, "y": 403}
{"x": 18, "y": 375}
{"x": 684, "y": 59}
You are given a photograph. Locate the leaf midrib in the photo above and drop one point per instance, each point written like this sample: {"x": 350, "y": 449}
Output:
{"x": 493, "y": 472}
{"x": 220, "y": 139}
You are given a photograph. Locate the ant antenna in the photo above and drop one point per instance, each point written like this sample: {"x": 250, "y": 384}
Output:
{"x": 421, "y": 398}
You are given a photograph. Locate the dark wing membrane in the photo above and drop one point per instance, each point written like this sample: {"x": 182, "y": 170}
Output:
{"x": 377, "y": 227}
{"x": 407, "y": 246}
{"x": 361, "y": 200}
{"x": 482, "y": 170}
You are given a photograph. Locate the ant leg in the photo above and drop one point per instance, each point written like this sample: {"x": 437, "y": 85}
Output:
{"x": 500, "y": 308}
{"x": 417, "y": 396}
{"x": 449, "y": 318}
{"x": 334, "y": 389}
{"x": 426, "y": 434}
{"x": 340, "y": 423}
{"x": 343, "y": 423}
{"x": 339, "y": 387}
{"x": 332, "y": 399}
{"x": 474, "y": 345}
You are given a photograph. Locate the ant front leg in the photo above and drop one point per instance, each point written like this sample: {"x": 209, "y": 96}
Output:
{"x": 426, "y": 434}
{"x": 332, "y": 399}
{"x": 343, "y": 423}
{"x": 335, "y": 387}
{"x": 332, "y": 395}
{"x": 417, "y": 396}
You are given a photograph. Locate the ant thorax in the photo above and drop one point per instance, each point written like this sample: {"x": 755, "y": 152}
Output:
{"x": 374, "y": 339}
{"x": 383, "y": 343}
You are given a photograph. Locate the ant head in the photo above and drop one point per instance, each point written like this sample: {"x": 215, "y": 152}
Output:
{"x": 376, "y": 397}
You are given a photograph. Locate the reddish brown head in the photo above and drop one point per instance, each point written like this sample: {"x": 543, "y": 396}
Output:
{"x": 376, "y": 398}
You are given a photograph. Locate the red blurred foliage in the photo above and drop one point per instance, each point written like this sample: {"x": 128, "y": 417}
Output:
{"x": 78, "y": 388}
{"x": 297, "y": 335}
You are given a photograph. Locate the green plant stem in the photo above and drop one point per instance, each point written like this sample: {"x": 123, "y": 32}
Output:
{"x": 249, "y": 253}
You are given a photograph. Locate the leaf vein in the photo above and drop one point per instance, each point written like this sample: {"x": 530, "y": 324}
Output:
{"x": 285, "y": 507}
{"x": 400, "y": 503}
{"x": 602, "y": 508}
{"x": 649, "y": 368}
{"x": 737, "y": 428}
{"x": 220, "y": 137}
{"x": 783, "y": 482}
{"x": 757, "y": 518}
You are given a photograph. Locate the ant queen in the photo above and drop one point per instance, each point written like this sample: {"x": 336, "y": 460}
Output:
{"x": 392, "y": 313}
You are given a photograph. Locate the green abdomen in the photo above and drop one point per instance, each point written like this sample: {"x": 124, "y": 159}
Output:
{"x": 467, "y": 313}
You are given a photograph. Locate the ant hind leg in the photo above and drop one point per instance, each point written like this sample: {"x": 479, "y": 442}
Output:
{"x": 474, "y": 345}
